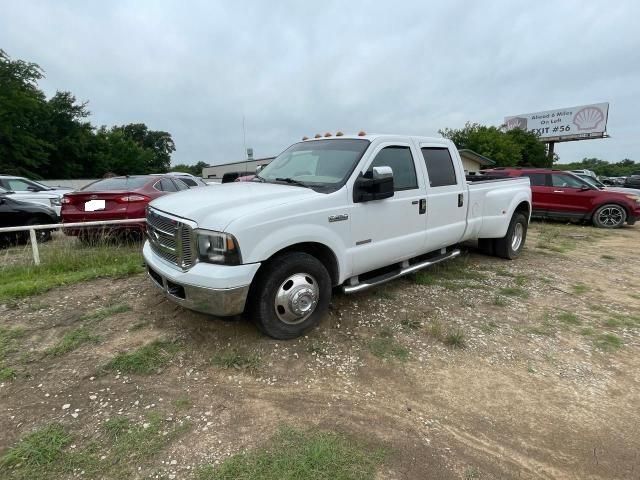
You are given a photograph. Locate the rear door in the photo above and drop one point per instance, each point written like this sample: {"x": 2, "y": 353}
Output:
{"x": 390, "y": 230}
{"x": 541, "y": 192}
{"x": 447, "y": 197}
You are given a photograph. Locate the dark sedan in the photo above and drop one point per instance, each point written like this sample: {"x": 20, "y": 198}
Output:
{"x": 15, "y": 213}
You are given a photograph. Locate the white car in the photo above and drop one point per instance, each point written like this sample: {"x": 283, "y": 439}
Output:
{"x": 190, "y": 180}
{"x": 348, "y": 211}
{"x": 32, "y": 191}
{"x": 50, "y": 200}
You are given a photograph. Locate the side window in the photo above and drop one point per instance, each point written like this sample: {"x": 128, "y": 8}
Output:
{"x": 401, "y": 162}
{"x": 537, "y": 179}
{"x": 439, "y": 167}
{"x": 166, "y": 185}
{"x": 188, "y": 181}
{"x": 180, "y": 184}
{"x": 19, "y": 185}
{"x": 567, "y": 181}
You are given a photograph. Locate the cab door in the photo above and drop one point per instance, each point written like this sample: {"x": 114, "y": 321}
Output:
{"x": 571, "y": 196}
{"x": 393, "y": 229}
{"x": 447, "y": 197}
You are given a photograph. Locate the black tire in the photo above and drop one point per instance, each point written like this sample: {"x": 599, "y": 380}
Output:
{"x": 508, "y": 247}
{"x": 41, "y": 235}
{"x": 310, "y": 284}
{"x": 610, "y": 215}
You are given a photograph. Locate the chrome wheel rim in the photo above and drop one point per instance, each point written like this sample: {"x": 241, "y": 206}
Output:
{"x": 516, "y": 239}
{"x": 611, "y": 216}
{"x": 297, "y": 298}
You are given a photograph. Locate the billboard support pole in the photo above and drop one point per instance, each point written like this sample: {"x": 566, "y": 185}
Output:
{"x": 550, "y": 153}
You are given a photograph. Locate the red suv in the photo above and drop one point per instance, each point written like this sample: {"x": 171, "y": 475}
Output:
{"x": 560, "y": 194}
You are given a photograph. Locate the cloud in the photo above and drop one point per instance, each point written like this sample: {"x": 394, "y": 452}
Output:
{"x": 298, "y": 68}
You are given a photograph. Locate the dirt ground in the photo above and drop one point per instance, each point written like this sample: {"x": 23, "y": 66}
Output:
{"x": 521, "y": 369}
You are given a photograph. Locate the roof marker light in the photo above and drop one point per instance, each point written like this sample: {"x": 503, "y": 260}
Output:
{"x": 317, "y": 135}
{"x": 362, "y": 133}
{"x": 327, "y": 134}
{"x": 339, "y": 134}
{"x": 305, "y": 138}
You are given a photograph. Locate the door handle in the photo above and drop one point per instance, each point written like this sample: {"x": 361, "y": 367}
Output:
{"x": 558, "y": 191}
{"x": 423, "y": 206}
{"x": 460, "y": 200}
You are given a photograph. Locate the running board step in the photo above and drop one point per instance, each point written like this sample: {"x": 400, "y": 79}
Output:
{"x": 372, "y": 282}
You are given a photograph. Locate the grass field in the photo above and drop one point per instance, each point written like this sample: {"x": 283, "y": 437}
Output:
{"x": 63, "y": 262}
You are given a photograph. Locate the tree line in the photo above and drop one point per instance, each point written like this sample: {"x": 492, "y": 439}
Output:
{"x": 602, "y": 168}
{"x": 52, "y": 138}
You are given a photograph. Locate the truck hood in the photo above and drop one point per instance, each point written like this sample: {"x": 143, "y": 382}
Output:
{"x": 215, "y": 207}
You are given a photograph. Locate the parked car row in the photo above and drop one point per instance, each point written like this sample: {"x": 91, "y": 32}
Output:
{"x": 565, "y": 195}
{"x": 27, "y": 202}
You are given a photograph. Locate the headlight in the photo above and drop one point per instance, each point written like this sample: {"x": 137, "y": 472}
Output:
{"x": 55, "y": 202}
{"x": 218, "y": 247}
{"x": 635, "y": 198}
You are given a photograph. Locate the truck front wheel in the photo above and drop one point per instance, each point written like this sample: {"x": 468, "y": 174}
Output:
{"x": 511, "y": 244}
{"x": 290, "y": 295}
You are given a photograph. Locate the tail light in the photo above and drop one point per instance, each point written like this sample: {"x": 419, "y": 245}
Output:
{"x": 132, "y": 198}
{"x": 66, "y": 200}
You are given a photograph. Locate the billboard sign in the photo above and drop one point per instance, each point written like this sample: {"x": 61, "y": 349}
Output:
{"x": 564, "y": 124}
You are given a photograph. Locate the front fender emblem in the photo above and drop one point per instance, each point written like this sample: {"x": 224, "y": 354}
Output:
{"x": 339, "y": 218}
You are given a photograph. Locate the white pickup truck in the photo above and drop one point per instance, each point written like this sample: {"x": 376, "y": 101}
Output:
{"x": 348, "y": 211}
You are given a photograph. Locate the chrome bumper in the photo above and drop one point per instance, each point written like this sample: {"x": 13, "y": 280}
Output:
{"x": 222, "y": 302}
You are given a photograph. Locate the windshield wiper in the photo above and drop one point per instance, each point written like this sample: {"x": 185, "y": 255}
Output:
{"x": 292, "y": 182}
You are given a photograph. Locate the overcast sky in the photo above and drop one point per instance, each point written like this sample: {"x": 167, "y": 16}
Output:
{"x": 298, "y": 68}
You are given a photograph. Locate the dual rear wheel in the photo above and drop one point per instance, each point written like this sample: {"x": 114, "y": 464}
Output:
{"x": 510, "y": 246}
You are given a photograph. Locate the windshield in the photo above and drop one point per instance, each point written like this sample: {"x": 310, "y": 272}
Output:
{"x": 322, "y": 164}
{"x": 592, "y": 181}
{"x": 117, "y": 183}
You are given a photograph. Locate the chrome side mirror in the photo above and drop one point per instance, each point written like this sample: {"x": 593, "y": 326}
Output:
{"x": 382, "y": 172}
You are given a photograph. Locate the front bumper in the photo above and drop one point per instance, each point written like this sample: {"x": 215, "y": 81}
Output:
{"x": 218, "y": 290}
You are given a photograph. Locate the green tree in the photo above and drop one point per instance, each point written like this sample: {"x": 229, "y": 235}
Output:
{"x": 23, "y": 150}
{"x": 158, "y": 142}
{"x": 601, "y": 167}
{"x": 53, "y": 138}
{"x": 506, "y": 148}
{"x": 192, "y": 169}
{"x": 70, "y": 135}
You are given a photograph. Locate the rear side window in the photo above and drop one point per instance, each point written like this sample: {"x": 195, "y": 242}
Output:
{"x": 401, "y": 162}
{"x": 181, "y": 183}
{"x": 166, "y": 185}
{"x": 189, "y": 181}
{"x": 537, "y": 179}
{"x": 117, "y": 183}
{"x": 439, "y": 167}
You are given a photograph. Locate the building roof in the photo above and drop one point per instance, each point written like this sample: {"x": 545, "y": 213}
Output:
{"x": 482, "y": 160}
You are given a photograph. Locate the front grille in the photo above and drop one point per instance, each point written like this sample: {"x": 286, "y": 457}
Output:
{"x": 170, "y": 239}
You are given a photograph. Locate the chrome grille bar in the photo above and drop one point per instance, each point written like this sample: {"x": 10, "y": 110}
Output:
{"x": 171, "y": 239}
